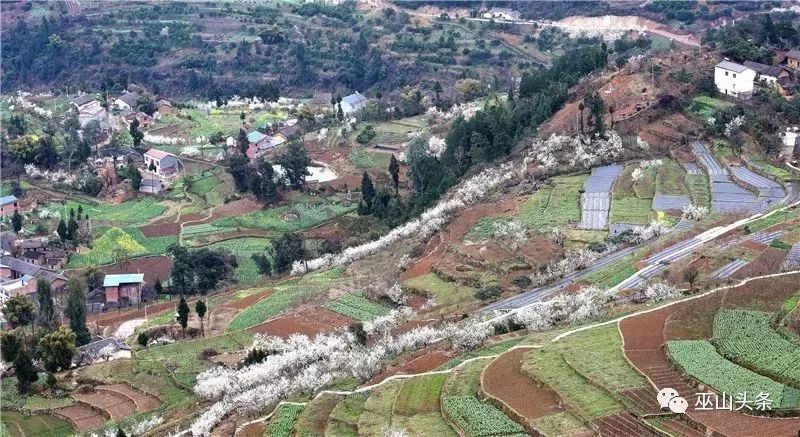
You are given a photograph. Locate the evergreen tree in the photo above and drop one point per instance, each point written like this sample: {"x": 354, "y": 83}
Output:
{"x": 181, "y": 275}
{"x": 10, "y": 345}
{"x": 19, "y": 311}
{"x": 237, "y": 167}
{"x": 134, "y": 176}
{"x": 25, "y": 372}
{"x": 367, "y": 191}
{"x": 243, "y": 142}
{"x": 200, "y": 309}
{"x": 121, "y": 433}
{"x": 295, "y": 162}
{"x": 136, "y": 134}
{"x": 264, "y": 186}
{"x": 142, "y": 339}
{"x": 76, "y": 311}
{"x": 16, "y": 222}
{"x": 288, "y": 249}
{"x": 56, "y": 350}
{"x": 157, "y": 287}
{"x": 47, "y": 312}
{"x": 183, "y": 314}
{"x": 394, "y": 171}
{"x": 72, "y": 229}
{"x": 62, "y": 231}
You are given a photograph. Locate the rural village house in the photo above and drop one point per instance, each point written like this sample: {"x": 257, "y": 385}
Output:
{"x": 127, "y": 101}
{"x": 12, "y": 268}
{"x": 353, "y": 103}
{"x": 768, "y": 74}
{"x": 164, "y": 107}
{"x": 8, "y": 205}
{"x": 123, "y": 289}
{"x": 107, "y": 349}
{"x": 161, "y": 163}
{"x": 793, "y": 59}
{"x": 734, "y": 79}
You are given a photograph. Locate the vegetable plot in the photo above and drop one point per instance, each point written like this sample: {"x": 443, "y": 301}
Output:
{"x": 747, "y": 338}
{"x": 356, "y": 306}
{"x": 700, "y": 360}
{"x": 479, "y": 419}
{"x": 281, "y": 425}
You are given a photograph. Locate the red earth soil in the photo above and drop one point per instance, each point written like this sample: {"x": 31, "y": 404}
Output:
{"x": 644, "y": 334}
{"x": 246, "y": 302}
{"x": 252, "y": 430}
{"x": 505, "y": 380}
{"x": 151, "y": 266}
{"x": 160, "y": 229}
{"x": 309, "y": 322}
{"x": 421, "y": 361}
{"x": 623, "y": 425}
{"x": 750, "y": 244}
{"x": 456, "y": 229}
{"x": 767, "y": 263}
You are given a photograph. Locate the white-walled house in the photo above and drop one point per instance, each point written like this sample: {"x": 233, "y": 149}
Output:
{"x": 734, "y": 79}
{"x": 353, "y": 103}
{"x": 163, "y": 164}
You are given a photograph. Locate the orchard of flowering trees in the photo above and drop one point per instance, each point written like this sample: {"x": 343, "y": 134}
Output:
{"x": 303, "y": 365}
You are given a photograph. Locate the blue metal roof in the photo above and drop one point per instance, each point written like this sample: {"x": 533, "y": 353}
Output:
{"x": 7, "y": 199}
{"x": 255, "y": 136}
{"x": 128, "y": 278}
{"x": 353, "y": 99}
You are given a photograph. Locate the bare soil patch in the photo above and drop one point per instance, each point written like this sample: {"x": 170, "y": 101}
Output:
{"x": 153, "y": 267}
{"x": 248, "y": 301}
{"x": 421, "y": 361}
{"x": 309, "y": 322}
{"x": 505, "y": 380}
{"x": 767, "y": 263}
{"x": 160, "y": 229}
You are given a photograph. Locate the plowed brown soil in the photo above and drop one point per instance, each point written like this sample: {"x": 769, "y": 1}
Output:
{"x": 153, "y": 267}
{"x": 421, "y": 361}
{"x": 505, "y": 380}
{"x": 309, "y": 322}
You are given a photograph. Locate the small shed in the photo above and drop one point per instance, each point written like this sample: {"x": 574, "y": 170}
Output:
{"x": 123, "y": 289}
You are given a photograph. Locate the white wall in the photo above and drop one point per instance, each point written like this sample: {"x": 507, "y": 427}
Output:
{"x": 734, "y": 84}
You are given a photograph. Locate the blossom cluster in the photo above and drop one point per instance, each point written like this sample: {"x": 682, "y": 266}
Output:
{"x": 162, "y": 139}
{"x": 53, "y": 176}
{"x": 734, "y": 125}
{"x": 20, "y": 101}
{"x": 588, "y": 303}
{"x": 572, "y": 261}
{"x": 436, "y": 146}
{"x": 303, "y": 365}
{"x": 644, "y": 233}
{"x": 578, "y": 151}
{"x": 694, "y": 212}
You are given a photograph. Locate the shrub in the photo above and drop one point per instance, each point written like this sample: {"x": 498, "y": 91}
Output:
{"x": 488, "y": 292}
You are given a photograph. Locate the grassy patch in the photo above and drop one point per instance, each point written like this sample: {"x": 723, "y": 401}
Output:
{"x": 314, "y": 418}
{"x": 37, "y": 424}
{"x": 343, "y": 420}
{"x": 286, "y": 295}
{"x": 630, "y": 209}
{"x": 364, "y": 159}
{"x": 670, "y": 178}
{"x": 419, "y": 395}
{"x": 559, "y": 424}
{"x": 465, "y": 380}
{"x": 779, "y": 173}
{"x": 773, "y": 219}
{"x": 377, "y": 414}
{"x": 286, "y": 218}
{"x": 184, "y": 356}
{"x": 358, "y": 307}
{"x": 699, "y": 190}
{"x": 487, "y": 350}
{"x": 38, "y": 403}
{"x": 445, "y": 293}
{"x": 614, "y": 273}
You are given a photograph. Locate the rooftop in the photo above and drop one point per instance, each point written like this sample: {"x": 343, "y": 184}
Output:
{"x": 767, "y": 70}
{"x": 5, "y": 200}
{"x": 157, "y": 154}
{"x": 354, "y": 99}
{"x": 731, "y": 66}
{"x": 83, "y": 99}
{"x": 131, "y": 99}
{"x": 255, "y": 136}
{"x": 127, "y": 278}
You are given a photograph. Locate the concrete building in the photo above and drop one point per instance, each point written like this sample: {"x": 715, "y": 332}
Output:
{"x": 734, "y": 79}
{"x": 353, "y": 103}
{"x": 163, "y": 164}
{"x": 8, "y": 205}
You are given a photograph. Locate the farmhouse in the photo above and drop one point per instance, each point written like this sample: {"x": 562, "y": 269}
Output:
{"x": 260, "y": 143}
{"x": 107, "y": 349}
{"x": 768, "y": 74}
{"x": 321, "y": 100}
{"x": 8, "y": 205}
{"x": 124, "y": 289}
{"x": 502, "y": 14}
{"x": 163, "y": 164}
{"x": 353, "y": 103}
{"x": 164, "y": 107}
{"x": 127, "y": 101}
{"x": 151, "y": 186}
{"x": 793, "y": 60}
{"x": 13, "y": 268}
{"x": 734, "y": 79}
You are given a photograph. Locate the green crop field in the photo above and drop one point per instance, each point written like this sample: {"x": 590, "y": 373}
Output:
{"x": 343, "y": 420}
{"x": 445, "y": 293}
{"x": 282, "y": 423}
{"x": 364, "y": 159}
{"x": 560, "y": 424}
{"x": 670, "y": 178}
{"x": 699, "y": 190}
{"x": 376, "y": 417}
{"x": 419, "y": 395}
{"x": 358, "y": 307}
{"x": 247, "y": 271}
{"x": 556, "y": 205}
{"x": 38, "y": 403}
{"x": 632, "y": 202}
{"x": 130, "y": 212}
{"x": 36, "y": 425}
{"x": 701, "y": 361}
{"x": 130, "y": 240}
{"x": 465, "y": 380}
{"x": 285, "y": 296}
{"x": 706, "y": 106}
{"x": 614, "y": 273}
{"x": 747, "y": 338}
{"x": 286, "y": 218}
{"x": 478, "y": 419}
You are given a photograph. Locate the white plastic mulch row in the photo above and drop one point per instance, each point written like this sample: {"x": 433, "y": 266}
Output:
{"x": 596, "y": 198}
{"x": 729, "y": 269}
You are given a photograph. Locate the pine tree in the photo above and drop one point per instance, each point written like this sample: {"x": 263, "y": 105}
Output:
{"x": 76, "y": 311}
{"x": 62, "y": 231}
{"x": 243, "y": 142}
{"x": 16, "y": 222}
{"x": 183, "y": 314}
{"x": 47, "y": 312}
{"x": 25, "y": 372}
{"x": 200, "y": 309}
{"x": 157, "y": 287}
{"x": 265, "y": 187}
{"x": 394, "y": 171}
{"x": 367, "y": 191}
